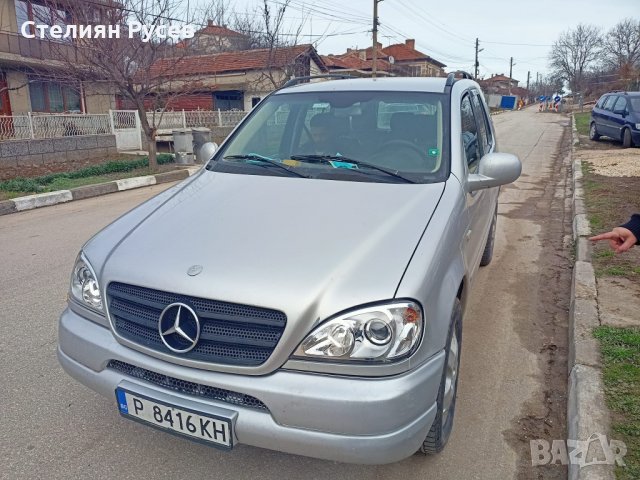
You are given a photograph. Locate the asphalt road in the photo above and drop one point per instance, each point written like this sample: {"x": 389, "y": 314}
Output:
{"x": 513, "y": 362}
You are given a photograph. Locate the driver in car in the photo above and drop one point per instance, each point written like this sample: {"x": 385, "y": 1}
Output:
{"x": 322, "y": 135}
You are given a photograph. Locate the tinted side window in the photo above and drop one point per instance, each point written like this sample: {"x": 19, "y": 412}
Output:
{"x": 469, "y": 134}
{"x": 608, "y": 103}
{"x": 601, "y": 101}
{"x": 621, "y": 104}
{"x": 483, "y": 125}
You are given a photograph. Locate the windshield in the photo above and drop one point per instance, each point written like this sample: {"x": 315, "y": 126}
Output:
{"x": 356, "y": 135}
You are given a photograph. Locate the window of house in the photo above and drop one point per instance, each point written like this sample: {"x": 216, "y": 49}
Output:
{"x": 41, "y": 14}
{"x": 52, "y": 97}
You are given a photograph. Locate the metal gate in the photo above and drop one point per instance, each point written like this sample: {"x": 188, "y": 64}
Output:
{"x": 125, "y": 125}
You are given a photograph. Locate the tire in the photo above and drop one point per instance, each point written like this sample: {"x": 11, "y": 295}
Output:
{"x": 443, "y": 424}
{"x": 487, "y": 255}
{"x": 593, "y": 132}
{"x": 626, "y": 138}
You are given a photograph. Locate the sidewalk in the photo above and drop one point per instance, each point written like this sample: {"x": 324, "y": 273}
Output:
{"x": 30, "y": 202}
{"x": 594, "y": 302}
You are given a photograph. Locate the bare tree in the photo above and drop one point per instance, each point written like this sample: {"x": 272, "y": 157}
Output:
{"x": 622, "y": 45}
{"x": 574, "y": 53}
{"x": 142, "y": 71}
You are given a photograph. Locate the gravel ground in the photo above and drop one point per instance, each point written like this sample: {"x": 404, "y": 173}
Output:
{"x": 614, "y": 162}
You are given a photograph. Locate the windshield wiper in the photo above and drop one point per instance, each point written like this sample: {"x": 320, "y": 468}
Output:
{"x": 359, "y": 163}
{"x": 260, "y": 158}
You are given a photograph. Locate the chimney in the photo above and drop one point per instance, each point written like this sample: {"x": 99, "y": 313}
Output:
{"x": 411, "y": 43}
{"x": 209, "y": 23}
{"x": 378, "y": 45}
{"x": 349, "y": 50}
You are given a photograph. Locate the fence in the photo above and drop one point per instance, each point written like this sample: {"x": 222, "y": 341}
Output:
{"x": 32, "y": 126}
{"x": 40, "y": 125}
{"x": 195, "y": 118}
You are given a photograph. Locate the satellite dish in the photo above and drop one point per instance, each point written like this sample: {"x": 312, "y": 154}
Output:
{"x": 392, "y": 60}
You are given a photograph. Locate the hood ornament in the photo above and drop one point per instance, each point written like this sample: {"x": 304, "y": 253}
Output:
{"x": 194, "y": 270}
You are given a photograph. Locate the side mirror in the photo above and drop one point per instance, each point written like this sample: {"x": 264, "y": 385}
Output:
{"x": 495, "y": 169}
{"x": 620, "y": 112}
{"x": 207, "y": 151}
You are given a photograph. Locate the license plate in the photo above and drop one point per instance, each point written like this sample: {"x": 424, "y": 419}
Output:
{"x": 189, "y": 423}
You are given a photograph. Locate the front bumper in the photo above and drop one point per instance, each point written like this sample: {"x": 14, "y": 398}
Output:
{"x": 358, "y": 420}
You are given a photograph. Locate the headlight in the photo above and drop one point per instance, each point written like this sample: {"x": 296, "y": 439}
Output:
{"x": 84, "y": 285}
{"x": 637, "y": 126}
{"x": 381, "y": 333}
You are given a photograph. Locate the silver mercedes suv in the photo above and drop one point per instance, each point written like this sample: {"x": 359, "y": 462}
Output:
{"x": 303, "y": 292}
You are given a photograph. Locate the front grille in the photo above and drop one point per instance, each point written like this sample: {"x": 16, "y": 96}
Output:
{"x": 189, "y": 388}
{"x": 230, "y": 334}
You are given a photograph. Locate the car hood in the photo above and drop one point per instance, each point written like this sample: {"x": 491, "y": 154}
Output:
{"x": 308, "y": 247}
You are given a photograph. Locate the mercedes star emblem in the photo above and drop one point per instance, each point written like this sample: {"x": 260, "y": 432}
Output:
{"x": 194, "y": 270}
{"x": 179, "y": 327}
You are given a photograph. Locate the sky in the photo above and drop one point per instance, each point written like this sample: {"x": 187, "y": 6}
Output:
{"x": 447, "y": 30}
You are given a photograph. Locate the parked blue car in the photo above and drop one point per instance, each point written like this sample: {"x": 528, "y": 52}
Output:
{"x": 617, "y": 115}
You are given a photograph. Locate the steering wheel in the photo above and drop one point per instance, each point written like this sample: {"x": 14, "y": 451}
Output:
{"x": 406, "y": 155}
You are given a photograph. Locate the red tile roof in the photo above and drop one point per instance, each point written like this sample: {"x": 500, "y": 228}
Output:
{"x": 227, "y": 62}
{"x": 353, "y": 61}
{"x": 402, "y": 52}
{"x": 219, "y": 31}
{"x": 498, "y": 78}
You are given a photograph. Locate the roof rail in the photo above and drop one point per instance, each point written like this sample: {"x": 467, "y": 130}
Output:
{"x": 296, "y": 80}
{"x": 451, "y": 78}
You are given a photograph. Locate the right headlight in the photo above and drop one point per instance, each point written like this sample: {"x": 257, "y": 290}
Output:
{"x": 84, "y": 285}
{"x": 382, "y": 333}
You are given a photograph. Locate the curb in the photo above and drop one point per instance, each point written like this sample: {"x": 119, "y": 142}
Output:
{"x": 586, "y": 411}
{"x": 29, "y": 202}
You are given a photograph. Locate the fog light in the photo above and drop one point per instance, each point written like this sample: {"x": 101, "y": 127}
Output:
{"x": 378, "y": 331}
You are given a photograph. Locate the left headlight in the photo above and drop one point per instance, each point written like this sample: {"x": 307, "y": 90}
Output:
{"x": 84, "y": 285}
{"x": 382, "y": 333}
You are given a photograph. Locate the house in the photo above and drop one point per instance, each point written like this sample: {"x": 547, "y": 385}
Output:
{"x": 498, "y": 86}
{"x": 28, "y": 73}
{"x": 497, "y": 83}
{"x": 215, "y": 39}
{"x": 409, "y": 62}
{"x": 354, "y": 63}
{"x": 238, "y": 80}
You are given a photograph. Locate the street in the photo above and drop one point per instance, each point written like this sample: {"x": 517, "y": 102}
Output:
{"x": 513, "y": 373}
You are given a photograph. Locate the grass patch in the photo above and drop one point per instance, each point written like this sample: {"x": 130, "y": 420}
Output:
{"x": 610, "y": 201}
{"x": 582, "y": 122}
{"x": 104, "y": 172}
{"x": 621, "y": 374}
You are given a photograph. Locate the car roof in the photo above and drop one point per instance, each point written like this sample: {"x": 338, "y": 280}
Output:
{"x": 396, "y": 84}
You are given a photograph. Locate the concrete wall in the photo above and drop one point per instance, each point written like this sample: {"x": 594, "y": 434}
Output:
{"x": 99, "y": 98}
{"x": 8, "y": 16}
{"x": 17, "y": 153}
{"x": 19, "y": 98}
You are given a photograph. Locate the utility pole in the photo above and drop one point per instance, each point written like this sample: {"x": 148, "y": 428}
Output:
{"x": 528, "y": 76}
{"x": 375, "y": 38}
{"x": 511, "y": 64}
{"x": 477, "y": 64}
